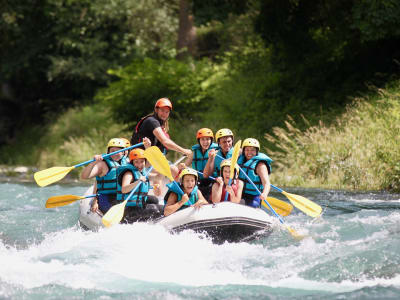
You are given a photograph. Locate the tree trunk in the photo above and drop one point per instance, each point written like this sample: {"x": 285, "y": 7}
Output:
{"x": 186, "y": 44}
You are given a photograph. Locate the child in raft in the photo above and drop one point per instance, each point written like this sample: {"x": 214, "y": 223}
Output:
{"x": 221, "y": 187}
{"x": 129, "y": 177}
{"x": 105, "y": 171}
{"x": 257, "y": 166}
{"x": 192, "y": 195}
{"x": 224, "y": 138}
{"x": 199, "y": 157}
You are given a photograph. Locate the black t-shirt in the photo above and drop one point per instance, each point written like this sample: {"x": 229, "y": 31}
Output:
{"x": 146, "y": 130}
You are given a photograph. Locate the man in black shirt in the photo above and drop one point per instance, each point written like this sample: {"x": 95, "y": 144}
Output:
{"x": 155, "y": 127}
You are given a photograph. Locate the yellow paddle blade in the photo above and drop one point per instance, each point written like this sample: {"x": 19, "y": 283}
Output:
{"x": 48, "y": 176}
{"x": 235, "y": 155}
{"x": 62, "y": 200}
{"x": 307, "y": 206}
{"x": 281, "y": 207}
{"x": 294, "y": 233}
{"x": 158, "y": 161}
{"x": 114, "y": 215}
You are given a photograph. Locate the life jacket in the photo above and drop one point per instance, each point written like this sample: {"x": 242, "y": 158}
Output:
{"x": 193, "y": 197}
{"x": 140, "y": 195}
{"x": 234, "y": 186}
{"x": 199, "y": 159}
{"x": 108, "y": 183}
{"x": 218, "y": 160}
{"x": 250, "y": 168}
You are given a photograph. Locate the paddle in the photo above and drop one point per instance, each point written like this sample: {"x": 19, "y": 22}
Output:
{"x": 115, "y": 214}
{"x": 305, "y": 205}
{"x": 160, "y": 163}
{"x": 281, "y": 207}
{"x": 291, "y": 230}
{"x": 62, "y": 200}
{"x": 54, "y": 174}
{"x": 234, "y": 158}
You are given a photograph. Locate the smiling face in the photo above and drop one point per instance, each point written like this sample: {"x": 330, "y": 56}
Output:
{"x": 139, "y": 163}
{"x": 117, "y": 156}
{"x": 188, "y": 182}
{"x": 163, "y": 113}
{"x": 249, "y": 152}
{"x": 205, "y": 142}
{"x": 225, "y": 143}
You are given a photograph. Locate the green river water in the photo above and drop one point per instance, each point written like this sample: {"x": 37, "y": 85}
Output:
{"x": 352, "y": 252}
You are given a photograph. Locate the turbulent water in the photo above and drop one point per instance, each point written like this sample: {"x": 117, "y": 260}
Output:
{"x": 353, "y": 252}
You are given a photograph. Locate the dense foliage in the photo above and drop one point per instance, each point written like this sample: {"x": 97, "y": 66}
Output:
{"x": 256, "y": 63}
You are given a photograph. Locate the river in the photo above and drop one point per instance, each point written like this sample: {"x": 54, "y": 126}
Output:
{"x": 352, "y": 252}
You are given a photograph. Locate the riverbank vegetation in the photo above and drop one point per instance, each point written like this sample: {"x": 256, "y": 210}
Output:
{"x": 294, "y": 74}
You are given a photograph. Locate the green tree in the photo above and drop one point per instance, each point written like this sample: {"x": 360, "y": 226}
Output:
{"x": 55, "y": 53}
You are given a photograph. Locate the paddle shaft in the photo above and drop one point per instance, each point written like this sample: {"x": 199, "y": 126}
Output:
{"x": 108, "y": 155}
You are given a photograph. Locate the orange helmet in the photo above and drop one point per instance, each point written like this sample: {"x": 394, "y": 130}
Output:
{"x": 204, "y": 132}
{"x": 163, "y": 102}
{"x": 136, "y": 154}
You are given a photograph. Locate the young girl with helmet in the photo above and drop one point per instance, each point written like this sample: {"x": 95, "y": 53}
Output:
{"x": 192, "y": 195}
{"x": 129, "y": 176}
{"x": 105, "y": 171}
{"x": 224, "y": 138}
{"x": 257, "y": 166}
{"x": 221, "y": 187}
{"x": 199, "y": 157}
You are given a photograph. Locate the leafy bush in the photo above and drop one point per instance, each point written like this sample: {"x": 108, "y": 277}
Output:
{"x": 359, "y": 151}
{"x": 140, "y": 84}
{"x": 74, "y": 137}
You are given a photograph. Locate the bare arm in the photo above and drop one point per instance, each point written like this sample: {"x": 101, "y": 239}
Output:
{"x": 216, "y": 190}
{"x": 96, "y": 168}
{"x": 209, "y": 168}
{"x": 127, "y": 184}
{"x": 173, "y": 204}
{"x": 236, "y": 198}
{"x": 168, "y": 143}
{"x": 201, "y": 200}
{"x": 189, "y": 160}
{"x": 262, "y": 171}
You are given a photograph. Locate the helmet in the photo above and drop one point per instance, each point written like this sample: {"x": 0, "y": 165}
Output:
{"x": 136, "y": 154}
{"x": 116, "y": 142}
{"x": 163, "y": 102}
{"x": 204, "y": 132}
{"x": 127, "y": 142}
{"x": 188, "y": 171}
{"x": 223, "y": 132}
{"x": 250, "y": 142}
{"x": 228, "y": 162}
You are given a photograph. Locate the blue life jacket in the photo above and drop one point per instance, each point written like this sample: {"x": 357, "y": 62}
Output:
{"x": 250, "y": 168}
{"x": 193, "y": 197}
{"x": 199, "y": 159}
{"x": 108, "y": 183}
{"x": 218, "y": 161}
{"x": 140, "y": 195}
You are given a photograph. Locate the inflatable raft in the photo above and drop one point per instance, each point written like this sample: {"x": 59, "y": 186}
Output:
{"x": 222, "y": 222}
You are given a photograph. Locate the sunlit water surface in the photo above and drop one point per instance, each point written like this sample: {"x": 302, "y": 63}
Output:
{"x": 353, "y": 252}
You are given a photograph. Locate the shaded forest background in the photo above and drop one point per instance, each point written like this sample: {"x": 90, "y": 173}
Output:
{"x": 75, "y": 73}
